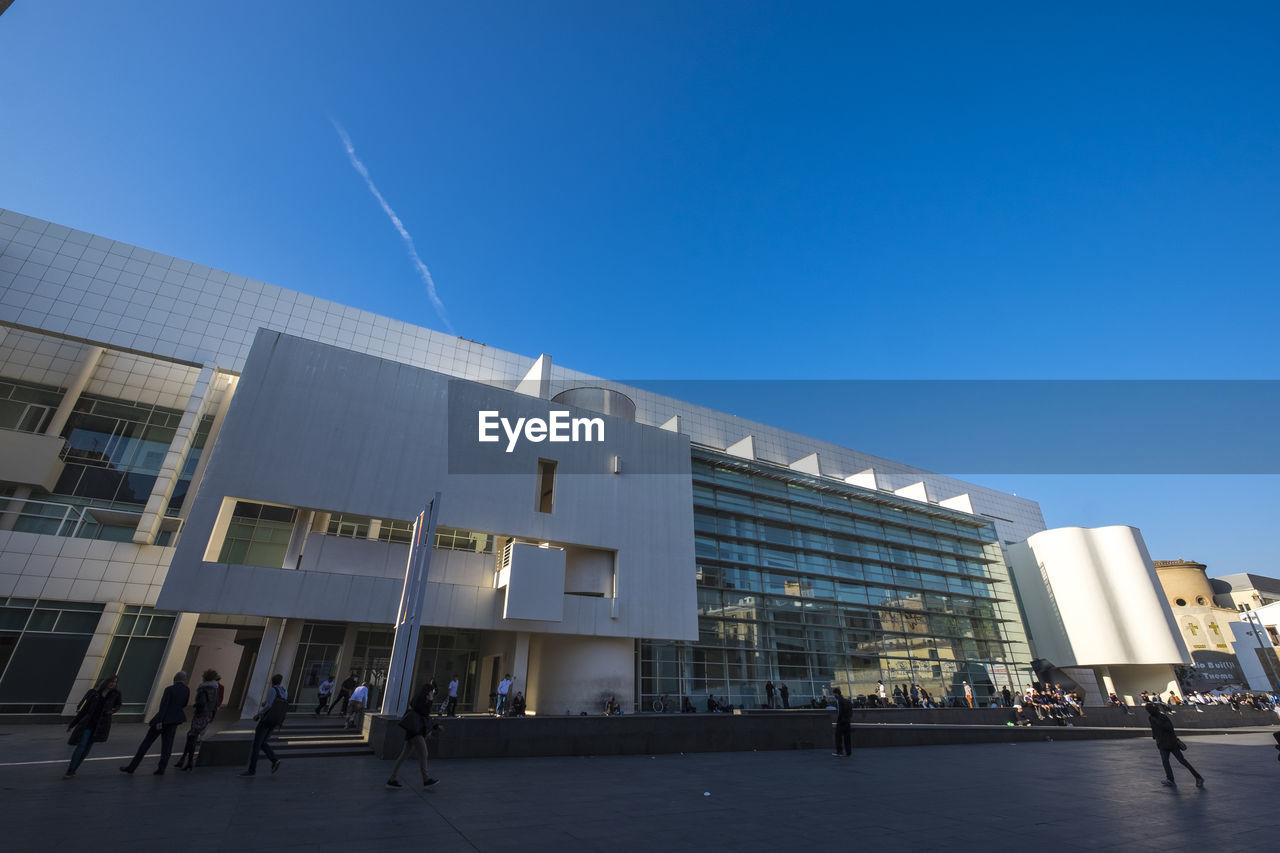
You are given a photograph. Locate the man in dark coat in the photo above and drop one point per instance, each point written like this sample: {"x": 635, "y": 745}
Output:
{"x": 163, "y": 725}
{"x": 344, "y": 694}
{"x": 1167, "y": 742}
{"x": 92, "y": 722}
{"x": 844, "y": 728}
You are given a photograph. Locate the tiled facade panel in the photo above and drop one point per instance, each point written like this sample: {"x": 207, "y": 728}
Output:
{"x": 122, "y": 296}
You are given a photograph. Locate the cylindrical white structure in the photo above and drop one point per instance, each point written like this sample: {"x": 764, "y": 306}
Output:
{"x": 1093, "y": 598}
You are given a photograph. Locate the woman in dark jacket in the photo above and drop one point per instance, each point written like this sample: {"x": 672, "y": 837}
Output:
{"x": 92, "y": 722}
{"x": 1167, "y": 742}
{"x": 417, "y": 725}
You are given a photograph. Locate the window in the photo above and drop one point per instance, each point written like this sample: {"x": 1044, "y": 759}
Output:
{"x": 135, "y": 652}
{"x": 546, "y": 485}
{"x": 452, "y": 539}
{"x": 25, "y": 407}
{"x": 350, "y": 526}
{"x": 1200, "y": 600}
{"x": 42, "y": 644}
{"x": 258, "y": 535}
{"x": 115, "y": 449}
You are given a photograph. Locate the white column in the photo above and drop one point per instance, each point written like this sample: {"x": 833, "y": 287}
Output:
{"x": 88, "y": 675}
{"x": 219, "y": 417}
{"x": 175, "y": 653}
{"x": 287, "y": 651}
{"x": 201, "y": 396}
{"x": 298, "y": 538}
{"x": 520, "y": 666}
{"x": 260, "y": 678}
{"x": 88, "y": 363}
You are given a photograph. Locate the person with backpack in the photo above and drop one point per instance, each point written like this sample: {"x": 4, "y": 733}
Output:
{"x": 206, "y": 703}
{"x": 270, "y": 715}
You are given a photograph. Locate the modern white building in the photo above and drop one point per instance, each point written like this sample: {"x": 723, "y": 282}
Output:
{"x": 201, "y": 470}
{"x": 1097, "y": 609}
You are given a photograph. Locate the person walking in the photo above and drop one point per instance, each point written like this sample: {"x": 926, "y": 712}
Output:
{"x": 785, "y": 693}
{"x": 92, "y": 722}
{"x": 344, "y": 694}
{"x": 270, "y": 714}
{"x": 844, "y": 728}
{"x": 163, "y": 725}
{"x": 206, "y": 704}
{"x": 968, "y": 694}
{"x": 1168, "y": 743}
{"x": 451, "y": 706}
{"x": 881, "y": 699}
{"x": 356, "y": 704}
{"x": 768, "y": 694}
{"x": 417, "y": 724}
{"x": 323, "y": 692}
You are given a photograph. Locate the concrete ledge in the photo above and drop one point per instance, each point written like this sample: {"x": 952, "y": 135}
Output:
{"x": 651, "y": 734}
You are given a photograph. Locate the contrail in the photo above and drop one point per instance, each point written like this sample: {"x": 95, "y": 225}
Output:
{"x": 423, "y": 272}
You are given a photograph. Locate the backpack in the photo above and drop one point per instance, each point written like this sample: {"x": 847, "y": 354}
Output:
{"x": 279, "y": 707}
{"x": 206, "y": 699}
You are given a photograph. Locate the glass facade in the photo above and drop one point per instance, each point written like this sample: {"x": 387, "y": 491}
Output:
{"x": 816, "y": 584}
{"x": 135, "y": 651}
{"x": 113, "y": 455}
{"x": 42, "y": 644}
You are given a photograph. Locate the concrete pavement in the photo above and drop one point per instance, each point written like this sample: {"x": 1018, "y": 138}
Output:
{"x": 1096, "y": 795}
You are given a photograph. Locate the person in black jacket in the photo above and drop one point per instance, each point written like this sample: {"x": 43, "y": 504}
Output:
{"x": 1168, "y": 743}
{"x": 163, "y": 725}
{"x": 844, "y": 719}
{"x": 92, "y": 722}
{"x": 417, "y": 724}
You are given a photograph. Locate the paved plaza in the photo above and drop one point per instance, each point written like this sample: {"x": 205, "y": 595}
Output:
{"x": 1091, "y": 795}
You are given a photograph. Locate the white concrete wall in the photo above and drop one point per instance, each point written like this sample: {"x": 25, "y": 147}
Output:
{"x": 575, "y": 674}
{"x": 326, "y": 429}
{"x": 218, "y": 650}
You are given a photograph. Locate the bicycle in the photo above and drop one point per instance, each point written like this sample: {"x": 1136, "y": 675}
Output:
{"x": 660, "y": 704}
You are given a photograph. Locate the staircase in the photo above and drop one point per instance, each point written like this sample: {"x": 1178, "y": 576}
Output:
{"x": 304, "y": 736}
{"x": 301, "y": 736}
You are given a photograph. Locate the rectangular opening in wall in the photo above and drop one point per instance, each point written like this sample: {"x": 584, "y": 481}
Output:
{"x": 546, "y": 485}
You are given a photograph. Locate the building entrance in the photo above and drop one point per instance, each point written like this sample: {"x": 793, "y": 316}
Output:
{"x": 317, "y": 657}
{"x": 371, "y": 660}
{"x": 444, "y": 654}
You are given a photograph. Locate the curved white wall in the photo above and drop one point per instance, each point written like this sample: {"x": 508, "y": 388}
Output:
{"x": 1093, "y": 598}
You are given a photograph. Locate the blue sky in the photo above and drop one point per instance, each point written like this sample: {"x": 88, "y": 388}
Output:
{"x": 714, "y": 190}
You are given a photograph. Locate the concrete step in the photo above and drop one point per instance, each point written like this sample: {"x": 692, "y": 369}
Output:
{"x": 321, "y": 751}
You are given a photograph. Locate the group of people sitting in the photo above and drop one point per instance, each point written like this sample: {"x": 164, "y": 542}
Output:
{"x": 1048, "y": 703}
{"x": 719, "y": 706}
{"x": 1262, "y": 701}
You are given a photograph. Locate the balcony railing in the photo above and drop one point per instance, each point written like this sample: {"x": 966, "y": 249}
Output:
{"x": 78, "y": 521}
